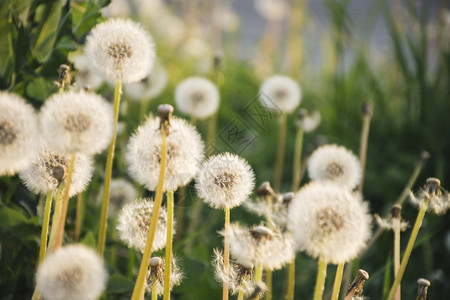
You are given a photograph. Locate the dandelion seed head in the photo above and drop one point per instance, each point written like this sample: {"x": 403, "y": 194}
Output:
{"x": 329, "y": 222}
{"x": 155, "y": 273}
{"x": 72, "y": 272}
{"x": 120, "y": 50}
{"x": 225, "y": 180}
{"x": 134, "y": 222}
{"x": 121, "y": 192}
{"x": 439, "y": 199}
{"x": 335, "y": 163}
{"x": 149, "y": 87}
{"x": 280, "y": 93}
{"x": 197, "y": 97}
{"x": 308, "y": 121}
{"x": 77, "y": 122}
{"x": 85, "y": 77}
{"x": 49, "y": 168}
{"x": 18, "y": 133}
{"x": 184, "y": 153}
{"x": 260, "y": 245}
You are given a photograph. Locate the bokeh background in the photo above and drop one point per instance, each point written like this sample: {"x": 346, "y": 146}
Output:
{"x": 395, "y": 54}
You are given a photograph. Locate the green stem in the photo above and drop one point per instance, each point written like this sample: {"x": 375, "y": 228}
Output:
{"x": 108, "y": 172}
{"x": 56, "y": 216}
{"x": 155, "y": 290}
{"x": 65, "y": 205}
{"x": 337, "y": 281}
{"x": 291, "y": 280}
{"x": 268, "y": 295}
{"x": 241, "y": 295}
{"x": 226, "y": 253}
{"x": 320, "y": 280}
{"x": 138, "y": 291}
{"x": 258, "y": 276}
{"x": 409, "y": 247}
{"x": 280, "y": 151}
{"x": 363, "y": 147}
{"x": 297, "y": 159}
{"x": 45, "y": 223}
{"x": 78, "y": 217}
{"x": 168, "y": 257}
{"x": 397, "y": 253}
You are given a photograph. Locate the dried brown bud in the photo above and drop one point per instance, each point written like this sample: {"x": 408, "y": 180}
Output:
{"x": 367, "y": 109}
{"x": 59, "y": 172}
{"x": 433, "y": 185}
{"x": 287, "y": 198}
{"x": 165, "y": 113}
{"x": 356, "y": 287}
{"x": 265, "y": 190}
{"x": 422, "y": 290}
{"x": 396, "y": 211}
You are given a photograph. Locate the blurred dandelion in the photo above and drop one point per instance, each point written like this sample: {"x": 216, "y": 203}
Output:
{"x": 85, "y": 77}
{"x": 122, "y": 192}
{"x": 149, "y": 87}
{"x": 155, "y": 276}
{"x": 280, "y": 93}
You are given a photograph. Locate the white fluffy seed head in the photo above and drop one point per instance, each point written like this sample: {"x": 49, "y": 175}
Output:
{"x": 134, "y": 222}
{"x": 197, "y": 97}
{"x": 84, "y": 76}
{"x": 272, "y": 10}
{"x": 280, "y": 93}
{"x": 155, "y": 273}
{"x": 308, "y": 121}
{"x": 184, "y": 154}
{"x": 149, "y": 87}
{"x": 260, "y": 245}
{"x": 225, "y": 180}
{"x": 18, "y": 133}
{"x": 49, "y": 168}
{"x": 329, "y": 222}
{"x": 121, "y": 192}
{"x": 73, "y": 272}
{"x": 335, "y": 163}
{"x": 120, "y": 50}
{"x": 77, "y": 122}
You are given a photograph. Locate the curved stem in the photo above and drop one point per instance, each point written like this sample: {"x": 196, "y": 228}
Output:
{"x": 409, "y": 247}
{"x": 138, "y": 291}
{"x": 65, "y": 204}
{"x": 168, "y": 257}
{"x": 291, "y": 280}
{"x": 337, "y": 281}
{"x": 226, "y": 253}
{"x": 280, "y": 151}
{"x": 45, "y": 223}
{"x": 297, "y": 159}
{"x": 320, "y": 280}
{"x": 108, "y": 172}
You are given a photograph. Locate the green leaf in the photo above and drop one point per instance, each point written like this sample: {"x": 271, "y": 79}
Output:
{"x": 39, "y": 88}
{"x": 10, "y": 217}
{"x": 89, "y": 240}
{"x": 43, "y": 48}
{"x": 118, "y": 283}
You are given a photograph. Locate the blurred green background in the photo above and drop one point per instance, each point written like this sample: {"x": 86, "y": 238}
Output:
{"x": 406, "y": 79}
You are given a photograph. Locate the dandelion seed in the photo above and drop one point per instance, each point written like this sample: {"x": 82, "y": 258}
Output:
{"x": 49, "y": 168}
{"x": 335, "y": 163}
{"x": 18, "y": 133}
{"x": 329, "y": 222}
{"x": 439, "y": 198}
{"x": 238, "y": 277}
{"x": 120, "y": 50}
{"x": 150, "y": 87}
{"x": 272, "y": 10}
{"x": 184, "y": 153}
{"x": 155, "y": 274}
{"x": 77, "y": 122}
{"x": 308, "y": 121}
{"x": 134, "y": 223}
{"x": 389, "y": 223}
{"x": 225, "y": 180}
{"x": 280, "y": 93}
{"x": 121, "y": 192}
{"x": 197, "y": 97}
{"x": 72, "y": 272}
{"x": 260, "y": 246}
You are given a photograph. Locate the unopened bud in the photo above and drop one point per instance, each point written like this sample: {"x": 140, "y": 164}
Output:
{"x": 396, "y": 211}
{"x": 265, "y": 190}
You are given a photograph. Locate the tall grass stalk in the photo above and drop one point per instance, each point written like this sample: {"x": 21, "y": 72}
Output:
{"x": 138, "y": 291}
{"x": 367, "y": 112}
{"x": 409, "y": 247}
{"x": 168, "y": 256}
{"x": 337, "y": 281}
{"x": 64, "y": 205}
{"x": 282, "y": 120}
{"x": 108, "y": 172}
{"x": 320, "y": 279}
{"x": 226, "y": 253}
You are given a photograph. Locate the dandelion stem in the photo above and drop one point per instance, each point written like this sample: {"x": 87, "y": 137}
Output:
{"x": 397, "y": 253}
{"x": 364, "y": 141}
{"x": 337, "y": 281}
{"x": 280, "y": 150}
{"x": 297, "y": 159}
{"x": 268, "y": 295}
{"x": 78, "y": 216}
{"x": 226, "y": 253}
{"x": 409, "y": 247}
{"x": 241, "y": 295}
{"x": 45, "y": 223}
{"x": 258, "y": 276}
{"x": 155, "y": 290}
{"x": 168, "y": 257}
{"x": 56, "y": 216}
{"x": 320, "y": 280}
{"x": 291, "y": 280}
{"x": 108, "y": 172}
{"x": 65, "y": 204}
{"x": 138, "y": 291}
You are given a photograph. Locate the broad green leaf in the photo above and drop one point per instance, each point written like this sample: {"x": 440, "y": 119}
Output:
{"x": 89, "y": 240}
{"x": 11, "y": 217}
